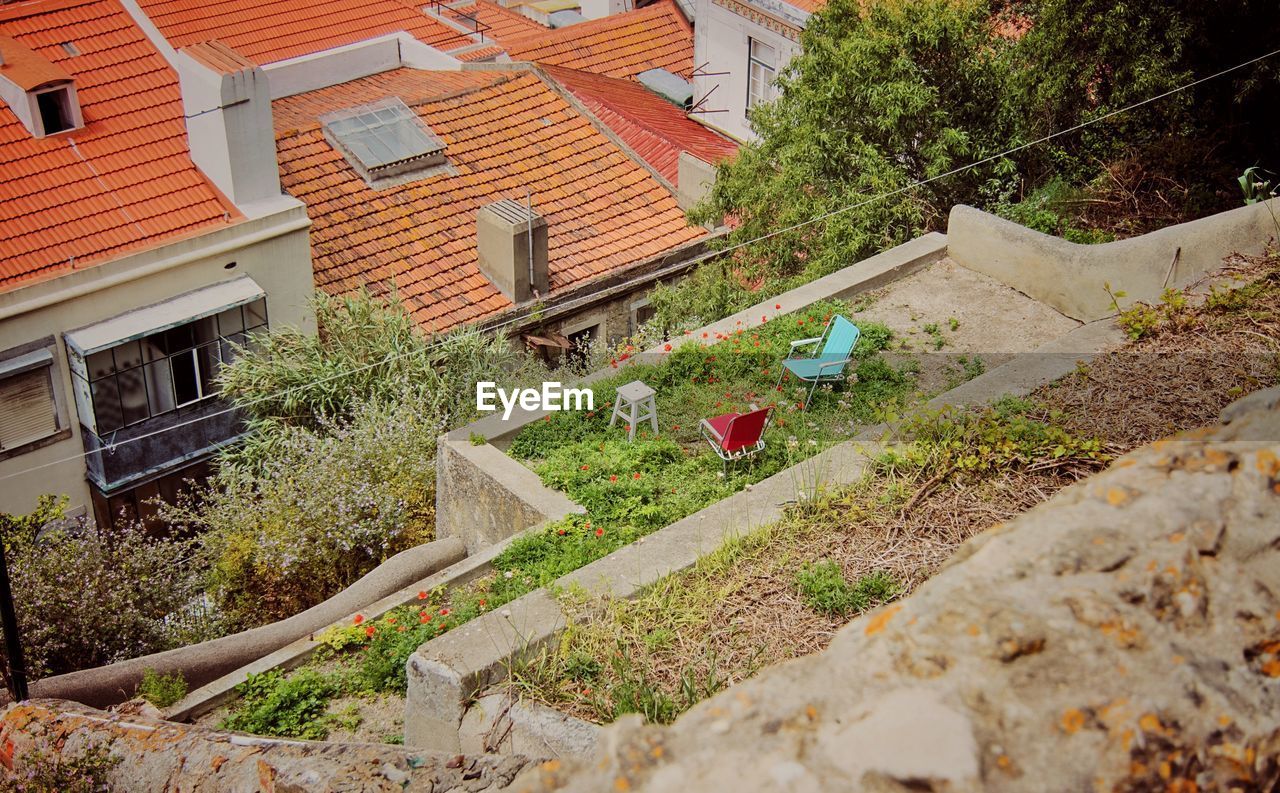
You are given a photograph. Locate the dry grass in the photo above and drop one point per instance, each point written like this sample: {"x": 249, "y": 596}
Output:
{"x": 1196, "y": 362}
{"x": 740, "y": 609}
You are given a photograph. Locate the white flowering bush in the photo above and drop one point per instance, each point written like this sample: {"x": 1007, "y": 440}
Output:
{"x": 89, "y": 596}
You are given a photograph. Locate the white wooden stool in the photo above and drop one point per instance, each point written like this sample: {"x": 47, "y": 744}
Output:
{"x": 634, "y": 404}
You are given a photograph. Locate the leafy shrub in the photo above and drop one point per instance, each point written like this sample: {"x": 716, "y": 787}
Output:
{"x": 55, "y": 771}
{"x": 162, "y": 690}
{"x": 825, "y": 589}
{"x": 986, "y": 440}
{"x": 89, "y": 596}
{"x": 339, "y": 472}
{"x": 327, "y": 505}
{"x": 293, "y": 706}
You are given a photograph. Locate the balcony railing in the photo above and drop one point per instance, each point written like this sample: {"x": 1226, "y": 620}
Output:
{"x": 160, "y": 444}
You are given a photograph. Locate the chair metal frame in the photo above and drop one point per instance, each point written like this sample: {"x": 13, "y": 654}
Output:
{"x": 821, "y": 376}
{"x": 709, "y": 434}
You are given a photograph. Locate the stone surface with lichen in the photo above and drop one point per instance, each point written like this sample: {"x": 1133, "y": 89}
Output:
{"x": 1125, "y": 635}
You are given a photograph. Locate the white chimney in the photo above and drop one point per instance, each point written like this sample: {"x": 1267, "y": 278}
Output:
{"x": 228, "y": 108}
{"x": 511, "y": 241}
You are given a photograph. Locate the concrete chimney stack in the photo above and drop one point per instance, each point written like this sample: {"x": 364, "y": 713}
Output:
{"x": 512, "y": 245}
{"x": 228, "y": 107}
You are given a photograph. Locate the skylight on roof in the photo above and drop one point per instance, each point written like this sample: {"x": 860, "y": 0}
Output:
{"x": 384, "y": 138}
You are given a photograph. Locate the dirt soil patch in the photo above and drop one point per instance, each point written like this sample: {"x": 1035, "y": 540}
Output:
{"x": 947, "y": 315}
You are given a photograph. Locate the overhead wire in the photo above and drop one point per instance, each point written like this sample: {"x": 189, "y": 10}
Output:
{"x": 684, "y": 264}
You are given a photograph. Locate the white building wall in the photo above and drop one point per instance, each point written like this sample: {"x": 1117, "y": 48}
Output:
{"x": 720, "y": 50}
{"x": 273, "y": 250}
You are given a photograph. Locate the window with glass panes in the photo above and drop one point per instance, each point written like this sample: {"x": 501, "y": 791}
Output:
{"x": 762, "y": 67}
{"x": 169, "y": 369}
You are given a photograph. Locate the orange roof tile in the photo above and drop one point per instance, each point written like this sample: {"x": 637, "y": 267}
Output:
{"x": 124, "y": 181}
{"x": 502, "y": 24}
{"x": 218, "y": 56}
{"x": 25, "y": 68}
{"x": 654, "y": 128}
{"x": 507, "y": 132}
{"x": 811, "y": 6}
{"x": 265, "y": 31}
{"x": 621, "y": 45}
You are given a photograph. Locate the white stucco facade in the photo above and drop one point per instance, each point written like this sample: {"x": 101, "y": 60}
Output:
{"x": 272, "y": 249}
{"x": 722, "y": 42}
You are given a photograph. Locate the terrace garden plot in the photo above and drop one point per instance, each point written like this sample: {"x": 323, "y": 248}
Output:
{"x": 784, "y": 590}
{"x": 631, "y": 489}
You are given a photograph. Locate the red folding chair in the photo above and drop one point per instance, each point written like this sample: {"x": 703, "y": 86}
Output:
{"x": 735, "y": 436}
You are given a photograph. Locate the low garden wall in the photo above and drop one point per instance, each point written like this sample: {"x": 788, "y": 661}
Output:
{"x": 200, "y": 663}
{"x": 1072, "y": 278}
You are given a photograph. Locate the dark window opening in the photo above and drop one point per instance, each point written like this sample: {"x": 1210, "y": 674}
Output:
{"x": 55, "y": 111}
{"x": 579, "y": 352}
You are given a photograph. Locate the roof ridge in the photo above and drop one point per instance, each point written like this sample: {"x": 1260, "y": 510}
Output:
{"x": 9, "y": 13}
{"x": 501, "y": 78}
{"x": 570, "y": 32}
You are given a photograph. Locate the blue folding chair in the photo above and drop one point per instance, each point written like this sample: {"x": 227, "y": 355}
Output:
{"x": 837, "y": 340}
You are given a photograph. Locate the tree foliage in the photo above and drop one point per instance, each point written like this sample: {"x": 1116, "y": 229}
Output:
{"x": 891, "y": 93}
{"x": 883, "y": 95}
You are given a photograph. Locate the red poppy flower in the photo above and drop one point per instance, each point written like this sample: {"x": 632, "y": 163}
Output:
{"x": 546, "y": 418}
{"x": 422, "y": 596}
{"x": 369, "y": 631}
{"x": 778, "y": 306}
{"x": 599, "y": 532}
{"x": 425, "y": 618}
{"x": 586, "y": 467}
{"x": 359, "y": 619}
{"x": 799, "y": 406}
{"x": 704, "y": 334}
{"x": 667, "y": 347}
{"x": 613, "y": 362}
{"x": 561, "y": 532}
{"x": 613, "y": 477}
{"x": 444, "y": 612}
{"x": 391, "y": 620}
{"x": 766, "y": 372}
{"x": 675, "y": 428}
{"x": 481, "y": 601}
{"x": 586, "y": 692}
{"x": 623, "y": 357}
{"x": 636, "y": 475}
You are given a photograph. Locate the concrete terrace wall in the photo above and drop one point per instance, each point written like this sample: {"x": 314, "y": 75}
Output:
{"x": 1072, "y": 277}
{"x": 200, "y": 663}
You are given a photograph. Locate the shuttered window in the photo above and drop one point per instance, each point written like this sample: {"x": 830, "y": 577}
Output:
{"x": 27, "y": 411}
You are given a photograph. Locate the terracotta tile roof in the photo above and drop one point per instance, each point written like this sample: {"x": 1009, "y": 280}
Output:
{"x": 654, "y": 128}
{"x": 507, "y": 132}
{"x": 265, "y": 31}
{"x": 126, "y": 179}
{"x": 811, "y": 6}
{"x": 219, "y": 57}
{"x": 621, "y": 45}
{"x": 26, "y": 68}
{"x": 502, "y": 24}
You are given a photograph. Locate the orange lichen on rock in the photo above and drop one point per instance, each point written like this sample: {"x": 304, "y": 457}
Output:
{"x": 879, "y": 621}
{"x": 1072, "y": 720}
